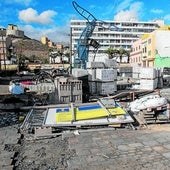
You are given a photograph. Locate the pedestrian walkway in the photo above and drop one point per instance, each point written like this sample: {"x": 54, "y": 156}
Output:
{"x": 121, "y": 149}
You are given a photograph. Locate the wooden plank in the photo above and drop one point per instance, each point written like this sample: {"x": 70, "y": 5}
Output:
{"x": 140, "y": 119}
{"x": 73, "y": 113}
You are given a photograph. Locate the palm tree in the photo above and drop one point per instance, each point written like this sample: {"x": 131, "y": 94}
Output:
{"x": 112, "y": 53}
{"x": 117, "y": 54}
{"x": 123, "y": 53}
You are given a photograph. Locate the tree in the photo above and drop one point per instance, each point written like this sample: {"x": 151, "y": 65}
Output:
{"x": 113, "y": 53}
{"x": 123, "y": 53}
{"x": 68, "y": 56}
{"x": 32, "y": 58}
{"x": 117, "y": 54}
{"x": 52, "y": 54}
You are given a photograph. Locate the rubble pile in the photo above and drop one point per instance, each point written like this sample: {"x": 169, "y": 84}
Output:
{"x": 11, "y": 118}
{"x": 18, "y": 152}
{"x": 44, "y": 154}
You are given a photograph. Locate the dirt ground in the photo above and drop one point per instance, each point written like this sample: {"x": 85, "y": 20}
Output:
{"x": 43, "y": 154}
{"x": 25, "y": 154}
{"x": 159, "y": 127}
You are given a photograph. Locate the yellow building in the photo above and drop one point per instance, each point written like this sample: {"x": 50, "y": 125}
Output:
{"x": 155, "y": 43}
{"x": 44, "y": 40}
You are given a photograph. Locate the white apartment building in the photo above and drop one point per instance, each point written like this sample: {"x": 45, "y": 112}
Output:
{"x": 109, "y": 37}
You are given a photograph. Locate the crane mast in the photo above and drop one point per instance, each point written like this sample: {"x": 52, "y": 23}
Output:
{"x": 83, "y": 42}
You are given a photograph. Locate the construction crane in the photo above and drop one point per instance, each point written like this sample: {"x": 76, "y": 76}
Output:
{"x": 84, "y": 41}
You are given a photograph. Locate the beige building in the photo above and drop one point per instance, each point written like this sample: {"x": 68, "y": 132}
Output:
{"x": 14, "y": 31}
{"x": 59, "y": 47}
{"x": 5, "y": 44}
{"x": 44, "y": 40}
{"x": 152, "y": 44}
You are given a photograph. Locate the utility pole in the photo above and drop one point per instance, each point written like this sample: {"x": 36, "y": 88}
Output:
{"x": 19, "y": 55}
{"x": 3, "y": 51}
{"x": 70, "y": 50}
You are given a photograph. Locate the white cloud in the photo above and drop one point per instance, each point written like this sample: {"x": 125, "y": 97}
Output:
{"x": 132, "y": 13}
{"x": 157, "y": 11}
{"x": 126, "y": 16}
{"x": 55, "y": 34}
{"x": 123, "y": 5}
{"x": 30, "y": 15}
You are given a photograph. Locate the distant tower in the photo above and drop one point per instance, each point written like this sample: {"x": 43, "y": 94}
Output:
{"x": 14, "y": 31}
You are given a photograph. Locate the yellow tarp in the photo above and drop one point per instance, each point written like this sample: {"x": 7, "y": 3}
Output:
{"x": 87, "y": 114}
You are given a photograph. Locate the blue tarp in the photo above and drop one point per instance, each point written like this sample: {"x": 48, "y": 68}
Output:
{"x": 16, "y": 88}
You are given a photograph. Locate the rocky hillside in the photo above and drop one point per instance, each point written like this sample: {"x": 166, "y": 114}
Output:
{"x": 30, "y": 47}
{"x": 30, "y": 44}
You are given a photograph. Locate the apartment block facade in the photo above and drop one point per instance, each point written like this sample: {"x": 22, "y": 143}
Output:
{"x": 5, "y": 44}
{"x": 109, "y": 37}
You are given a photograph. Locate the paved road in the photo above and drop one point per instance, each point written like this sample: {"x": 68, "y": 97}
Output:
{"x": 121, "y": 149}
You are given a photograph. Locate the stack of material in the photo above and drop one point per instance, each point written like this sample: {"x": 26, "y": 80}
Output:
{"x": 106, "y": 81}
{"x": 82, "y": 74}
{"x": 68, "y": 90}
{"x": 136, "y": 72}
{"x": 39, "y": 88}
{"x": 153, "y": 108}
{"x": 125, "y": 71}
{"x": 157, "y": 115}
{"x": 102, "y": 77}
{"x": 148, "y": 78}
{"x": 78, "y": 72}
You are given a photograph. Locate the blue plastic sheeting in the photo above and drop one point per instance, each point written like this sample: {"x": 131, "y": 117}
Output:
{"x": 17, "y": 89}
{"x": 62, "y": 110}
{"x": 91, "y": 107}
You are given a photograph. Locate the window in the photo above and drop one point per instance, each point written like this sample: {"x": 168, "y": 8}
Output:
{"x": 149, "y": 41}
{"x": 149, "y": 53}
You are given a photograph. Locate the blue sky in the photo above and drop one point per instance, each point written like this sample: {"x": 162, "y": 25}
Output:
{"x": 51, "y": 18}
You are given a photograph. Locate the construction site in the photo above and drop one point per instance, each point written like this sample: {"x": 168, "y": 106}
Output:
{"x": 92, "y": 115}
{"x": 93, "y": 118}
